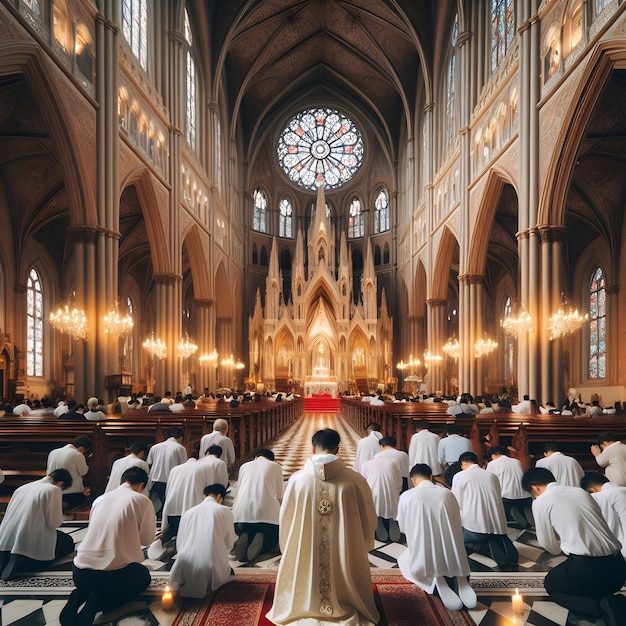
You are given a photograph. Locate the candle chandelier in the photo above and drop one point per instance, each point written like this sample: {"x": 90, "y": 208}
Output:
{"x": 209, "y": 358}
{"x": 516, "y": 325}
{"x": 116, "y": 324}
{"x": 565, "y": 322}
{"x": 452, "y": 348}
{"x": 156, "y": 347}
{"x": 70, "y": 319}
{"x": 186, "y": 347}
{"x": 432, "y": 359}
{"x": 484, "y": 347}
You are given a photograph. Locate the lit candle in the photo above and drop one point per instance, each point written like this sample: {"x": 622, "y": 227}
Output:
{"x": 167, "y": 599}
{"x": 518, "y": 603}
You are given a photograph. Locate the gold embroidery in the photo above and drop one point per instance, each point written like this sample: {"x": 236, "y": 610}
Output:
{"x": 325, "y": 507}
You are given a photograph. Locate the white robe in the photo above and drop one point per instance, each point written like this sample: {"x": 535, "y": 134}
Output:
{"x": 366, "y": 449}
{"x": 327, "y": 522}
{"x": 509, "y": 472}
{"x": 430, "y": 518}
{"x": 217, "y": 439}
{"x": 205, "y": 537}
{"x": 120, "y": 466}
{"x": 259, "y": 492}
{"x": 220, "y": 471}
{"x": 385, "y": 480}
{"x": 612, "y": 501}
{"x": 400, "y": 458}
{"x": 29, "y": 525}
{"x": 423, "y": 449}
{"x": 185, "y": 487}
{"x": 69, "y": 458}
{"x": 565, "y": 469}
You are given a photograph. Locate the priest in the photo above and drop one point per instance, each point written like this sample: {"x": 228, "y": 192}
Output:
{"x": 430, "y": 517}
{"x": 327, "y": 522}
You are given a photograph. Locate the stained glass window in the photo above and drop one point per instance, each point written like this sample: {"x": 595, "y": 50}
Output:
{"x": 320, "y": 147}
{"x": 34, "y": 325}
{"x": 601, "y": 5}
{"x": 190, "y": 104}
{"x": 451, "y": 125}
{"x": 597, "y": 325}
{"x": 509, "y": 357}
{"x": 259, "y": 211}
{"x": 502, "y": 29}
{"x": 381, "y": 211}
{"x": 34, "y": 6}
{"x": 135, "y": 28}
{"x": 355, "y": 219}
{"x": 285, "y": 225}
{"x": 218, "y": 153}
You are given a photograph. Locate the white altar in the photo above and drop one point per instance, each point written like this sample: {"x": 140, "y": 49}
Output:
{"x": 320, "y": 387}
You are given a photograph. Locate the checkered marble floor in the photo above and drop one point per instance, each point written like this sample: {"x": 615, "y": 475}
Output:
{"x": 37, "y": 601}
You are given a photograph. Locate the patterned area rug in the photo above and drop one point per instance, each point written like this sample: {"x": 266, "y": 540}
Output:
{"x": 246, "y": 600}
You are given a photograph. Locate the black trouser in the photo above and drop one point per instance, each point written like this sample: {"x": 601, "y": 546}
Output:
{"x": 269, "y": 532}
{"x": 64, "y": 546}
{"x": 158, "y": 488}
{"x": 521, "y": 504}
{"x": 73, "y": 499}
{"x": 173, "y": 522}
{"x": 113, "y": 587}
{"x": 580, "y": 582}
{"x": 497, "y": 547}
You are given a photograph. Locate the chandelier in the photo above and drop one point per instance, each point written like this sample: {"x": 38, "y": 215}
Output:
{"x": 484, "y": 347}
{"x": 155, "y": 347}
{"x": 514, "y": 326}
{"x": 229, "y": 362}
{"x": 208, "y": 358}
{"x": 432, "y": 359}
{"x": 116, "y": 324}
{"x": 239, "y": 365}
{"x": 402, "y": 366}
{"x": 452, "y": 348}
{"x": 69, "y": 319}
{"x": 565, "y": 323}
{"x": 186, "y": 347}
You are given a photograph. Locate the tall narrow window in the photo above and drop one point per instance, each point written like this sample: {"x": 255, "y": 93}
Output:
{"x": 259, "y": 211}
{"x": 381, "y": 212}
{"x": 34, "y": 325}
{"x": 355, "y": 219}
{"x": 285, "y": 224}
{"x": 502, "y": 29}
{"x": 451, "y": 121}
{"x": 597, "y": 325}
{"x": 34, "y": 6}
{"x": 218, "y": 152}
{"x": 509, "y": 346}
{"x": 135, "y": 28}
{"x": 190, "y": 104}
{"x": 601, "y": 5}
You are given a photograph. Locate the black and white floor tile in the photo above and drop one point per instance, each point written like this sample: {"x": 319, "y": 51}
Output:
{"x": 37, "y": 601}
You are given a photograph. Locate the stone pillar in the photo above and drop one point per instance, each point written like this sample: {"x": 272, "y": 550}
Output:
{"x": 436, "y": 331}
{"x": 470, "y": 331}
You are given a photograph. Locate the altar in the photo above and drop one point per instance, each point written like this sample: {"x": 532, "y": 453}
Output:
{"x": 320, "y": 387}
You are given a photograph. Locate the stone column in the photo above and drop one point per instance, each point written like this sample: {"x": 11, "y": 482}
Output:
{"x": 436, "y": 331}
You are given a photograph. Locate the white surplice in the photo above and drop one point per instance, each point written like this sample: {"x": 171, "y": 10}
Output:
{"x": 220, "y": 471}
{"x": 385, "y": 480}
{"x": 566, "y": 469}
{"x": 120, "y": 466}
{"x": 366, "y": 449}
{"x": 509, "y": 472}
{"x": 430, "y": 518}
{"x": 612, "y": 501}
{"x": 163, "y": 456}
{"x": 259, "y": 492}
{"x": 423, "y": 449}
{"x": 69, "y": 458}
{"x": 217, "y": 439}
{"x": 205, "y": 537}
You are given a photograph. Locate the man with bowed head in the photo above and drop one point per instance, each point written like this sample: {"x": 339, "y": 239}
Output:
{"x": 327, "y": 522}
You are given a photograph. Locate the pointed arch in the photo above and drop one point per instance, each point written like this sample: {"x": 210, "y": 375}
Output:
{"x": 223, "y": 305}
{"x": 197, "y": 250}
{"x": 443, "y": 262}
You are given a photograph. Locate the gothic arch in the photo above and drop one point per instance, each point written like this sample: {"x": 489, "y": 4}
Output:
{"x": 197, "y": 250}
{"x": 223, "y": 305}
{"x": 443, "y": 262}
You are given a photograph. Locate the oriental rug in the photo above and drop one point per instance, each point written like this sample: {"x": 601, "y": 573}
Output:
{"x": 246, "y": 600}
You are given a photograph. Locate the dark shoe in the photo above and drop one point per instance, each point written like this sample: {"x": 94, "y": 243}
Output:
{"x": 241, "y": 547}
{"x": 11, "y": 568}
{"x": 70, "y": 610}
{"x": 394, "y": 531}
{"x": 382, "y": 534}
{"x": 89, "y": 611}
{"x": 255, "y": 547}
{"x": 613, "y": 610}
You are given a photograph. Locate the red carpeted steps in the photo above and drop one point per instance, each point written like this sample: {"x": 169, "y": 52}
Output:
{"x": 321, "y": 404}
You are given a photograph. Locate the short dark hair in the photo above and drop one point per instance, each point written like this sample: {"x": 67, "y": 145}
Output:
{"x": 326, "y": 439}
{"x": 593, "y": 479}
{"x": 71, "y": 404}
{"x": 421, "y": 469}
{"x": 135, "y": 476}
{"x": 387, "y": 441}
{"x": 61, "y": 475}
{"x": 215, "y": 450}
{"x": 82, "y": 442}
{"x": 265, "y": 452}
{"x": 374, "y": 426}
{"x": 175, "y": 432}
{"x": 499, "y": 450}
{"x": 537, "y": 477}
{"x": 421, "y": 424}
{"x": 451, "y": 429}
{"x": 552, "y": 447}
{"x": 215, "y": 490}
{"x": 139, "y": 446}
{"x": 468, "y": 457}
{"x": 607, "y": 437}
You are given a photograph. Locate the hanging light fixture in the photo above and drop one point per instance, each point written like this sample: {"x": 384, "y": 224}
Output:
{"x": 229, "y": 362}
{"x": 516, "y": 325}
{"x": 116, "y": 324}
{"x": 208, "y": 358}
{"x": 156, "y": 347}
{"x": 432, "y": 359}
{"x": 565, "y": 322}
{"x": 70, "y": 319}
{"x": 484, "y": 347}
{"x": 452, "y": 348}
{"x": 186, "y": 347}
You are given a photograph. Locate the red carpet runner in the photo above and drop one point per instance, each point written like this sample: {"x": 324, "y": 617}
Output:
{"x": 246, "y": 600}
{"x": 321, "y": 404}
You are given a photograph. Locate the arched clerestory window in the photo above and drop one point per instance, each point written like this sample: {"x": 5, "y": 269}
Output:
{"x": 509, "y": 345}
{"x": 135, "y": 28}
{"x": 597, "y": 324}
{"x": 285, "y": 223}
{"x": 355, "y": 220}
{"x": 190, "y": 87}
{"x": 502, "y": 29}
{"x": 451, "y": 125}
{"x": 34, "y": 325}
{"x": 381, "y": 211}
{"x": 259, "y": 211}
